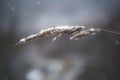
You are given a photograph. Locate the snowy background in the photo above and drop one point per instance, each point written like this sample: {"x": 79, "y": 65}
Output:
{"x": 90, "y": 58}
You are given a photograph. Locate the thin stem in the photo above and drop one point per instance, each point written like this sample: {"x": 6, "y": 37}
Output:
{"x": 110, "y": 31}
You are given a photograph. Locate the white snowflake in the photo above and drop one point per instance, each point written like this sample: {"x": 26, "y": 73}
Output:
{"x": 12, "y": 8}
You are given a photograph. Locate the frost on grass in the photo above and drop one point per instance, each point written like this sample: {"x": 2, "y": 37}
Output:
{"x": 75, "y": 32}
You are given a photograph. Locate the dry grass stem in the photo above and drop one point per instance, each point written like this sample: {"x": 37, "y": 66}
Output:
{"x": 75, "y": 32}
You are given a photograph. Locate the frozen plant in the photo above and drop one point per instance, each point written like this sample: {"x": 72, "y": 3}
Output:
{"x": 75, "y": 32}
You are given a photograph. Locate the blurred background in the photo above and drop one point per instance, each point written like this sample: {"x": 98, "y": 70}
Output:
{"x": 90, "y": 58}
